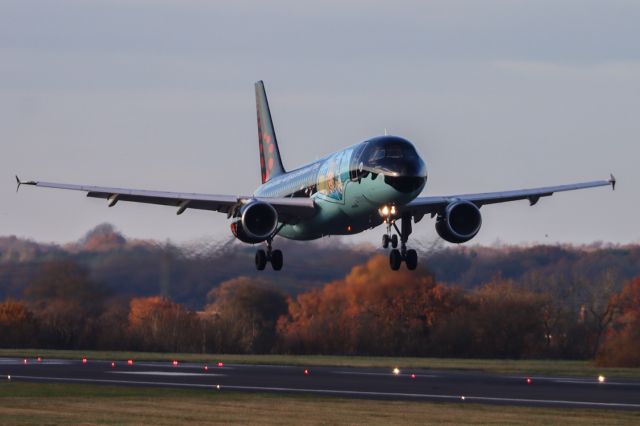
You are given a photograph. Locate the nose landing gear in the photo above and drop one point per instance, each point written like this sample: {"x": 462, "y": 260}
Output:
{"x": 396, "y": 257}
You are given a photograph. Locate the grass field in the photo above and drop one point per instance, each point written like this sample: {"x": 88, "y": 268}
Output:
{"x": 524, "y": 367}
{"x": 30, "y": 403}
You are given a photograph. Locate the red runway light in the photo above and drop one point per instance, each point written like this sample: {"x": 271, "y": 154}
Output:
{"x": 413, "y": 375}
{"x": 220, "y": 364}
{"x": 113, "y": 365}
{"x": 175, "y": 363}
{"x": 39, "y": 359}
{"x": 84, "y": 359}
{"x": 306, "y": 372}
{"x": 528, "y": 380}
{"x": 24, "y": 361}
{"x": 130, "y": 362}
{"x": 206, "y": 367}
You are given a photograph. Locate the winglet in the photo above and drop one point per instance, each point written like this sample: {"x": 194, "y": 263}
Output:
{"x": 20, "y": 183}
{"x": 612, "y": 181}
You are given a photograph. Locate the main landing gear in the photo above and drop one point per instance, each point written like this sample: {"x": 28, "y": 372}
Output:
{"x": 396, "y": 257}
{"x": 273, "y": 256}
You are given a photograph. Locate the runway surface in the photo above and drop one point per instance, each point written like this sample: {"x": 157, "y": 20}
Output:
{"x": 369, "y": 383}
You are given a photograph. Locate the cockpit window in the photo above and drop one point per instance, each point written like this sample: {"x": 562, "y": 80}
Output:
{"x": 378, "y": 154}
{"x": 393, "y": 151}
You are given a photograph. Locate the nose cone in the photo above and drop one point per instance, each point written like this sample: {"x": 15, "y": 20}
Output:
{"x": 398, "y": 161}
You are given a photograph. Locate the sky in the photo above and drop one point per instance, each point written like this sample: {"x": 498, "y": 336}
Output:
{"x": 159, "y": 94}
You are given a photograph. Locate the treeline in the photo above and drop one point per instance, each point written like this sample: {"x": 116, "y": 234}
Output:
{"x": 370, "y": 311}
{"x": 185, "y": 273}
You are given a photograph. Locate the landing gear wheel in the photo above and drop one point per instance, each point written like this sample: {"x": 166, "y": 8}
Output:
{"x": 277, "y": 260}
{"x": 385, "y": 241}
{"x": 411, "y": 259}
{"x": 261, "y": 260}
{"x": 395, "y": 259}
{"x": 394, "y": 241}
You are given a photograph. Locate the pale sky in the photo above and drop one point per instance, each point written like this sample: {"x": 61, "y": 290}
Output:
{"x": 148, "y": 94}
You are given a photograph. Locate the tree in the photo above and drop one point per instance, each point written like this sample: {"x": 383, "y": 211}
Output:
{"x": 245, "y": 312}
{"x": 157, "y": 324}
{"x": 373, "y": 310}
{"x": 66, "y": 302}
{"x": 17, "y": 325}
{"x": 621, "y": 346}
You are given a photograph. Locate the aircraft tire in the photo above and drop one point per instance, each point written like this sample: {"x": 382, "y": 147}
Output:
{"x": 395, "y": 259}
{"x": 277, "y": 259}
{"x": 385, "y": 241}
{"x": 261, "y": 260}
{"x": 411, "y": 259}
{"x": 394, "y": 241}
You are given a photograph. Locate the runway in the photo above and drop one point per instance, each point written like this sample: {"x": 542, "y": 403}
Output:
{"x": 370, "y": 383}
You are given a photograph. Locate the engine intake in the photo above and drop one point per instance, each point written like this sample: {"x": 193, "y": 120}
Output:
{"x": 460, "y": 222}
{"x": 258, "y": 221}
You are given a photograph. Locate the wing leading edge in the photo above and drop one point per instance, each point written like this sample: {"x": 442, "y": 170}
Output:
{"x": 433, "y": 205}
{"x": 290, "y": 210}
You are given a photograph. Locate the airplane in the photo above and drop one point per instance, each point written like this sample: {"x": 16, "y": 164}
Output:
{"x": 375, "y": 182}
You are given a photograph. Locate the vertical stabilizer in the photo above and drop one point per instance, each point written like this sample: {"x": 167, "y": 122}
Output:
{"x": 270, "y": 162}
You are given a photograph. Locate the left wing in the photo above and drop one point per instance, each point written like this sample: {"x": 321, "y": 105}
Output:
{"x": 290, "y": 210}
{"x": 433, "y": 205}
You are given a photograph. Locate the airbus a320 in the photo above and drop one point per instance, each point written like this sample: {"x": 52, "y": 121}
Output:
{"x": 375, "y": 182}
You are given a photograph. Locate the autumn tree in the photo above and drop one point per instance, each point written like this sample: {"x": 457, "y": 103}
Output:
{"x": 373, "y": 310}
{"x": 507, "y": 321}
{"x": 621, "y": 346}
{"x": 157, "y": 324}
{"x": 17, "y": 325}
{"x": 66, "y": 302}
{"x": 245, "y": 312}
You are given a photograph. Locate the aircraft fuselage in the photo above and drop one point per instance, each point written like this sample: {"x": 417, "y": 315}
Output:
{"x": 350, "y": 186}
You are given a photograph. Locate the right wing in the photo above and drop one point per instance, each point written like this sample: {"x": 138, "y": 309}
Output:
{"x": 290, "y": 210}
{"x": 435, "y": 204}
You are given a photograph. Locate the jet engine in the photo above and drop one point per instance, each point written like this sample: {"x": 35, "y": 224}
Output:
{"x": 258, "y": 221}
{"x": 460, "y": 222}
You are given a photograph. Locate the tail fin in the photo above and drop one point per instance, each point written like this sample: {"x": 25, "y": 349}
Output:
{"x": 270, "y": 161}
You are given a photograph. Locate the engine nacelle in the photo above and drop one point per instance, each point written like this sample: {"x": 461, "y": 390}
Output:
{"x": 258, "y": 221}
{"x": 460, "y": 222}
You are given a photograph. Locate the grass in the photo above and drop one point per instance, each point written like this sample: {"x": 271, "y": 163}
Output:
{"x": 523, "y": 367}
{"x": 32, "y": 403}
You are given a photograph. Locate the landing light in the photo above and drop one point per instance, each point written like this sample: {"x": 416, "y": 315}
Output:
{"x": 384, "y": 211}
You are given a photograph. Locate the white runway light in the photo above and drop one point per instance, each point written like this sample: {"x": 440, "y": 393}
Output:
{"x": 601, "y": 379}
{"x": 396, "y": 371}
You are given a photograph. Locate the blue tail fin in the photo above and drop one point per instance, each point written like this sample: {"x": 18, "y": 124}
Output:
{"x": 270, "y": 162}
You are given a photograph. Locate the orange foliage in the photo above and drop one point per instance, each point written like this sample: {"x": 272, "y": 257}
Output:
{"x": 372, "y": 310}
{"x": 156, "y": 323}
{"x": 621, "y": 347}
{"x": 17, "y": 324}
